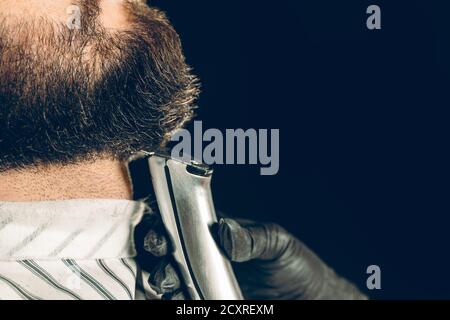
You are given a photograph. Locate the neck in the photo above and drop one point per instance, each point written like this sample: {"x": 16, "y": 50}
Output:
{"x": 96, "y": 179}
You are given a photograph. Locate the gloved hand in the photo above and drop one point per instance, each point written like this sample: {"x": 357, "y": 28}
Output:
{"x": 269, "y": 263}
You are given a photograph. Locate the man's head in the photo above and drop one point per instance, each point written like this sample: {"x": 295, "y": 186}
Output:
{"x": 116, "y": 85}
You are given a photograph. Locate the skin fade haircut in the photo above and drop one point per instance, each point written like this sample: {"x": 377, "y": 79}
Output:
{"x": 74, "y": 94}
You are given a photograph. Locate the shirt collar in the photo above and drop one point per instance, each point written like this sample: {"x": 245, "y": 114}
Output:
{"x": 75, "y": 229}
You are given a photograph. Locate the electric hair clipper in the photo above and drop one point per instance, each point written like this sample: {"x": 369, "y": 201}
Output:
{"x": 184, "y": 200}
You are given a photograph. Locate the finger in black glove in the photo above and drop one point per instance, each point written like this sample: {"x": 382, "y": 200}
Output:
{"x": 269, "y": 262}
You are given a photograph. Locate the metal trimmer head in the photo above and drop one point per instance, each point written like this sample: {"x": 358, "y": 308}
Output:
{"x": 184, "y": 200}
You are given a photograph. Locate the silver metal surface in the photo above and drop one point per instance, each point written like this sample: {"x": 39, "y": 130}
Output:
{"x": 183, "y": 193}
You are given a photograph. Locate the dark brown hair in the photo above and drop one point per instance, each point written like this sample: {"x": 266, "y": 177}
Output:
{"x": 69, "y": 95}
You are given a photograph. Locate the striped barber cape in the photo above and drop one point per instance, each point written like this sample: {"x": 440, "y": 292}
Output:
{"x": 73, "y": 249}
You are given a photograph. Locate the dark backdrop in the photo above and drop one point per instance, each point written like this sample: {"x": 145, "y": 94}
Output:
{"x": 363, "y": 117}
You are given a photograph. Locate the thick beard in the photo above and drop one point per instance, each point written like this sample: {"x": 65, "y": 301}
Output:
{"x": 71, "y": 95}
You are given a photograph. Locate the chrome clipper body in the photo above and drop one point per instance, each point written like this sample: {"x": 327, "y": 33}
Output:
{"x": 184, "y": 200}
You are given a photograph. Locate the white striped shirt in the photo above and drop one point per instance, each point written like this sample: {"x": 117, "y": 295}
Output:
{"x": 73, "y": 249}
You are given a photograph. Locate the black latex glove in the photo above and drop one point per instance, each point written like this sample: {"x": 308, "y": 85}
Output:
{"x": 269, "y": 263}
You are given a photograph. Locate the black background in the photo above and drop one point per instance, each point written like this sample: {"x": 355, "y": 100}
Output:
{"x": 363, "y": 118}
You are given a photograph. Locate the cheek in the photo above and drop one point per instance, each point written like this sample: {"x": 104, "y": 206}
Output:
{"x": 23, "y": 9}
{"x": 113, "y": 14}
